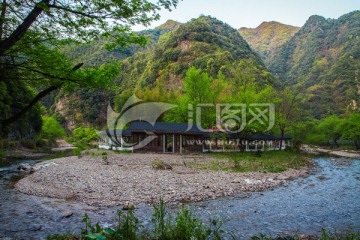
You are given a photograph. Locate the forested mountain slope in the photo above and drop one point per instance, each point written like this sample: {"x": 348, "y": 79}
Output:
{"x": 205, "y": 43}
{"x": 267, "y": 37}
{"x": 323, "y": 58}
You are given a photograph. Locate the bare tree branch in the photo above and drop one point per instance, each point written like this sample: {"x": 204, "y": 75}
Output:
{"x": 36, "y": 99}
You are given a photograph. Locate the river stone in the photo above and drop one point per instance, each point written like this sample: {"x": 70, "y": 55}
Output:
{"x": 66, "y": 214}
{"x": 128, "y": 205}
{"x": 24, "y": 167}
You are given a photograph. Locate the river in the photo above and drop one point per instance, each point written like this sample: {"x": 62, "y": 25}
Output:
{"x": 329, "y": 198}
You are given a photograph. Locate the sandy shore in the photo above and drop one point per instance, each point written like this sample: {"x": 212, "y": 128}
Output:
{"x": 131, "y": 177}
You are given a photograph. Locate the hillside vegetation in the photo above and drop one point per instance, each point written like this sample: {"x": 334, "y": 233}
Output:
{"x": 205, "y": 43}
{"x": 267, "y": 37}
{"x": 323, "y": 59}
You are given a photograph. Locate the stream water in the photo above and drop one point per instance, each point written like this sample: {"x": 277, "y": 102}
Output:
{"x": 329, "y": 198}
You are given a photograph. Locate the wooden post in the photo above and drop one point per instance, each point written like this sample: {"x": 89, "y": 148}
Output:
{"x": 180, "y": 143}
{"x": 164, "y": 143}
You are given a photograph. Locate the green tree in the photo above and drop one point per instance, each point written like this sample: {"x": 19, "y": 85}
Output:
{"x": 79, "y": 20}
{"x": 197, "y": 86}
{"x": 351, "y": 129}
{"x": 32, "y": 32}
{"x": 287, "y": 110}
{"x": 51, "y": 129}
{"x": 332, "y": 127}
{"x": 82, "y": 137}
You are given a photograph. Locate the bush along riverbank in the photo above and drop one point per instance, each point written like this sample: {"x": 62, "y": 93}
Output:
{"x": 182, "y": 226}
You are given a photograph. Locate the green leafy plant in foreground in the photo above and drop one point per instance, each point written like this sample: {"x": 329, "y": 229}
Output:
{"x": 182, "y": 226}
{"x": 162, "y": 229}
{"x": 166, "y": 227}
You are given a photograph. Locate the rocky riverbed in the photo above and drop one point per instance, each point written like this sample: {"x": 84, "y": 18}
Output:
{"x": 328, "y": 198}
{"x": 125, "y": 179}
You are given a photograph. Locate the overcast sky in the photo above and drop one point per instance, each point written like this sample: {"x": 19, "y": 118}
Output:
{"x": 250, "y": 13}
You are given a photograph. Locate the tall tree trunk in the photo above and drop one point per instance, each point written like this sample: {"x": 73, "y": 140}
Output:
{"x": 357, "y": 144}
{"x": 20, "y": 31}
{"x": 281, "y": 138}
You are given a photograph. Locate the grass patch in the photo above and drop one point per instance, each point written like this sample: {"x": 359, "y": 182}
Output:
{"x": 160, "y": 165}
{"x": 274, "y": 161}
{"x": 123, "y": 152}
{"x": 97, "y": 153}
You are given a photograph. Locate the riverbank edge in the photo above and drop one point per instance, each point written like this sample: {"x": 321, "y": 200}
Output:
{"x": 70, "y": 178}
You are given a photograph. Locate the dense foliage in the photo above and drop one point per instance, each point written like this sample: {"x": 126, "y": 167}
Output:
{"x": 83, "y": 137}
{"x": 333, "y": 131}
{"x": 10, "y": 95}
{"x": 323, "y": 57}
{"x": 51, "y": 129}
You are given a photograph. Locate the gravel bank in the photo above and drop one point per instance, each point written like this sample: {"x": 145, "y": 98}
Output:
{"x": 131, "y": 178}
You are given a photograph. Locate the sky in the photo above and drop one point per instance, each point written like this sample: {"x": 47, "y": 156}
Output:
{"x": 251, "y": 13}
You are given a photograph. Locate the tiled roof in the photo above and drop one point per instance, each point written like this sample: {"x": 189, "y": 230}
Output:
{"x": 184, "y": 128}
{"x": 164, "y": 127}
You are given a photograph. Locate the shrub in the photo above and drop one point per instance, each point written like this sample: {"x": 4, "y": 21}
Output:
{"x": 51, "y": 129}
{"x": 160, "y": 165}
{"x": 162, "y": 225}
{"x": 82, "y": 137}
{"x": 188, "y": 227}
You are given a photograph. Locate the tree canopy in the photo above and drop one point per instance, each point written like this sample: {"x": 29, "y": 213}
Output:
{"x": 78, "y": 20}
{"x": 33, "y": 32}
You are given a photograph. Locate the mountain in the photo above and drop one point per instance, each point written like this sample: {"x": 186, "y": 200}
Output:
{"x": 323, "y": 58}
{"x": 268, "y": 36}
{"x": 206, "y": 43}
